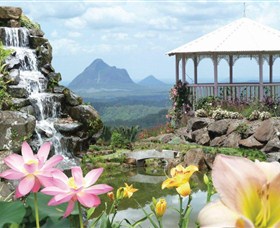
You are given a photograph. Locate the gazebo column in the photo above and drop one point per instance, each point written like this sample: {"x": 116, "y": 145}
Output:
{"x": 195, "y": 69}
{"x": 270, "y": 69}
{"x": 177, "y": 60}
{"x": 183, "y": 68}
{"x": 230, "y": 69}
{"x": 215, "y": 62}
{"x": 261, "y": 76}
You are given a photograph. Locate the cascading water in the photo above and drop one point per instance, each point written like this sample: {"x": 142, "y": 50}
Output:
{"x": 46, "y": 105}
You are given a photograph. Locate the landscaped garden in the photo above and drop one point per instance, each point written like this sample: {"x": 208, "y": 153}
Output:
{"x": 219, "y": 175}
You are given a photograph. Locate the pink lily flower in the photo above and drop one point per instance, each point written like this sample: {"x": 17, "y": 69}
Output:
{"x": 76, "y": 188}
{"x": 249, "y": 194}
{"x": 33, "y": 170}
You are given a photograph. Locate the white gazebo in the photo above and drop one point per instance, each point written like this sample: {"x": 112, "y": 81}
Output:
{"x": 241, "y": 38}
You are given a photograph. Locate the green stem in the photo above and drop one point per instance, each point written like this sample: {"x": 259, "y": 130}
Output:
{"x": 181, "y": 211}
{"x": 80, "y": 216}
{"x": 187, "y": 212}
{"x": 115, "y": 207}
{"x": 160, "y": 222}
{"x": 36, "y": 210}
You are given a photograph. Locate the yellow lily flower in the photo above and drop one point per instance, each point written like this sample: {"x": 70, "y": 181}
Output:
{"x": 128, "y": 190}
{"x": 180, "y": 177}
{"x": 249, "y": 194}
{"x": 160, "y": 207}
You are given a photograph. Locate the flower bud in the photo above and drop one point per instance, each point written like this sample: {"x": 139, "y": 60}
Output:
{"x": 205, "y": 179}
{"x": 111, "y": 196}
{"x": 160, "y": 207}
{"x": 120, "y": 193}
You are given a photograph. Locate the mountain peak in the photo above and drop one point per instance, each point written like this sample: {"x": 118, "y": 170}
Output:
{"x": 152, "y": 82}
{"x": 100, "y": 75}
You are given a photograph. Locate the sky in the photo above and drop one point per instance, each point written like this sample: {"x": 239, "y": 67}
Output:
{"x": 136, "y": 35}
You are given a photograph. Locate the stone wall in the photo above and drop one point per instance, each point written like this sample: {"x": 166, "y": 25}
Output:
{"x": 235, "y": 133}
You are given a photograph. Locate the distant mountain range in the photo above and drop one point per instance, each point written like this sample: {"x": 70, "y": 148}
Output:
{"x": 152, "y": 82}
{"x": 99, "y": 76}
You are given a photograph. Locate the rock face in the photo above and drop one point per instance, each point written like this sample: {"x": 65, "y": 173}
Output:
{"x": 55, "y": 112}
{"x": 264, "y": 135}
{"x": 14, "y": 127}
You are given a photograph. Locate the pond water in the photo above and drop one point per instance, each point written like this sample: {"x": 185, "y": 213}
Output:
{"x": 149, "y": 181}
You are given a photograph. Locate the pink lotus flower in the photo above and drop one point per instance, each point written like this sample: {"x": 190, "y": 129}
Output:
{"x": 76, "y": 188}
{"x": 249, "y": 194}
{"x": 33, "y": 170}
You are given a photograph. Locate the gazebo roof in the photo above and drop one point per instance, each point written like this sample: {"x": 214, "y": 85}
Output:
{"x": 242, "y": 36}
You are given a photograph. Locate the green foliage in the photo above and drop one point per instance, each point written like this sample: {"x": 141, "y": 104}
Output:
{"x": 118, "y": 140}
{"x": 94, "y": 125}
{"x": 128, "y": 133}
{"x": 21, "y": 213}
{"x": 27, "y": 23}
{"x": 207, "y": 103}
{"x": 147, "y": 121}
{"x": 11, "y": 213}
{"x": 128, "y": 112}
{"x": 106, "y": 134}
{"x": 4, "y": 54}
{"x": 5, "y": 98}
{"x": 242, "y": 129}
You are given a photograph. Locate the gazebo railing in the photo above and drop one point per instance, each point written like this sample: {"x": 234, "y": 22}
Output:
{"x": 235, "y": 91}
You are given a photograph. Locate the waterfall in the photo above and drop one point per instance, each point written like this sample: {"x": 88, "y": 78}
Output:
{"x": 47, "y": 106}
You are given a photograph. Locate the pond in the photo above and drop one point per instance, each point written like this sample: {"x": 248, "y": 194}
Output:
{"x": 149, "y": 181}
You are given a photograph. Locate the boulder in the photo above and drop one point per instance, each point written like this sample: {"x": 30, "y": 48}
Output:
{"x": 71, "y": 98}
{"x": 13, "y": 77}
{"x": 15, "y": 127}
{"x": 218, "y": 141}
{"x": 83, "y": 113}
{"x": 13, "y": 23}
{"x": 201, "y": 136}
{"x": 272, "y": 145}
{"x": 130, "y": 161}
{"x": 54, "y": 77}
{"x": 3, "y": 155}
{"x": 36, "y": 32}
{"x": 66, "y": 126}
{"x": 250, "y": 142}
{"x": 5, "y": 191}
{"x": 58, "y": 89}
{"x": 198, "y": 123}
{"x": 13, "y": 63}
{"x": 44, "y": 53}
{"x": 233, "y": 125}
{"x": 165, "y": 138}
{"x": 46, "y": 69}
{"x": 232, "y": 140}
{"x": 75, "y": 145}
{"x": 8, "y": 13}
{"x": 36, "y": 41}
{"x": 265, "y": 131}
{"x": 28, "y": 109}
{"x": 218, "y": 128}
{"x": 204, "y": 161}
{"x": 18, "y": 91}
{"x": 20, "y": 102}
{"x": 274, "y": 156}
{"x": 252, "y": 127}
{"x": 183, "y": 133}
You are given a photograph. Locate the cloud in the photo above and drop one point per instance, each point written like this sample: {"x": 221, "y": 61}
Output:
{"x": 108, "y": 17}
{"x": 65, "y": 46}
{"x": 76, "y": 23}
{"x": 115, "y": 36}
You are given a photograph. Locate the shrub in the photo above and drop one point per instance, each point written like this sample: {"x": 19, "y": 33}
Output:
{"x": 118, "y": 141}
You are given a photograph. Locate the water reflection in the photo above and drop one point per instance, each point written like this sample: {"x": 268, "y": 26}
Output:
{"x": 171, "y": 217}
{"x": 149, "y": 181}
